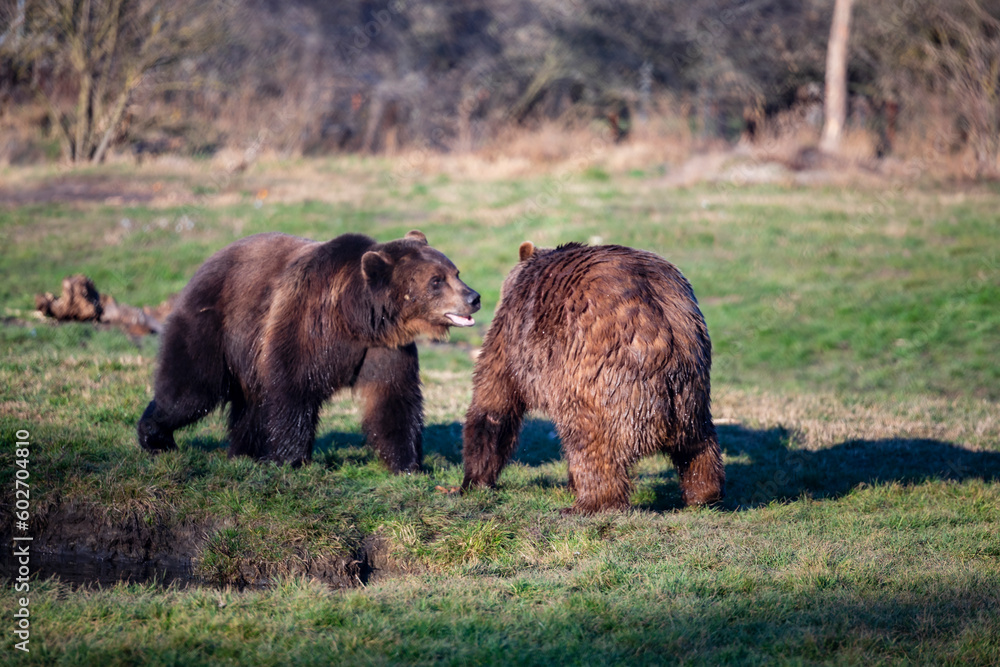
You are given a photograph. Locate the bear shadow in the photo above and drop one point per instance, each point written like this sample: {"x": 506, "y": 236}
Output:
{"x": 765, "y": 466}
{"x": 332, "y": 449}
{"x": 204, "y": 443}
{"x": 335, "y": 449}
{"x": 539, "y": 445}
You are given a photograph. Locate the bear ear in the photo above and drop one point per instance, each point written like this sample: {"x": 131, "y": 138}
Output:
{"x": 416, "y": 235}
{"x": 526, "y": 250}
{"x": 376, "y": 267}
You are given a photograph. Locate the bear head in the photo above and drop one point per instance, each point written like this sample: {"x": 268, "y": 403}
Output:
{"x": 423, "y": 285}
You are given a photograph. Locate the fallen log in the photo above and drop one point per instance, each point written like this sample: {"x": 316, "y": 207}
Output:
{"x": 81, "y": 302}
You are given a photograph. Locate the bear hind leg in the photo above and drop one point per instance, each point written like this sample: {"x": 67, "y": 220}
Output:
{"x": 490, "y": 441}
{"x": 492, "y": 429}
{"x": 156, "y": 430}
{"x": 597, "y": 474}
{"x": 388, "y": 385}
{"x": 159, "y": 421}
{"x": 168, "y": 412}
{"x": 702, "y": 475}
{"x": 190, "y": 382}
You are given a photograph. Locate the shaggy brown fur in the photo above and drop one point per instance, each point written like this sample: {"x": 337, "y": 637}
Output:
{"x": 610, "y": 343}
{"x": 274, "y": 324}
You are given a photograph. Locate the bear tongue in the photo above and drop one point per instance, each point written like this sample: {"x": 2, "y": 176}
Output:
{"x": 460, "y": 321}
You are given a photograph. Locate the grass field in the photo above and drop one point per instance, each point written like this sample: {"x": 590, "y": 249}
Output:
{"x": 855, "y": 386}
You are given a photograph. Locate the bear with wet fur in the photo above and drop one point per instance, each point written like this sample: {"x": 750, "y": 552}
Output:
{"x": 274, "y": 324}
{"x": 610, "y": 343}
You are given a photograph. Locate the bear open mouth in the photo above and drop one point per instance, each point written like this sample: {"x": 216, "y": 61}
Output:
{"x": 460, "y": 320}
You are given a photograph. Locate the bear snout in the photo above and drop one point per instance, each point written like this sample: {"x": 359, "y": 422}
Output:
{"x": 470, "y": 303}
{"x": 472, "y": 299}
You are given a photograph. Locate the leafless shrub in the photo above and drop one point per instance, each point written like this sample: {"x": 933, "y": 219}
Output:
{"x": 963, "y": 53}
{"x": 88, "y": 58}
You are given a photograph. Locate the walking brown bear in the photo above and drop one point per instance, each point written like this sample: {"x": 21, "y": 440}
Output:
{"x": 274, "y": 324}
{"x": 610, "y": 343}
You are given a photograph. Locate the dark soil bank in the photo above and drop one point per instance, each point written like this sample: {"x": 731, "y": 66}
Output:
{"x": 79, "y": 543}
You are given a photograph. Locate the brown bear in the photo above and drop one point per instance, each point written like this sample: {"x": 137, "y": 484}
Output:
{"x": 610, "y": 343}
{"x": 274, "y": 324}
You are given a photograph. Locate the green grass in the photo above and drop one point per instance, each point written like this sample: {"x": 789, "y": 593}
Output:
{"x": 855, "y": 386}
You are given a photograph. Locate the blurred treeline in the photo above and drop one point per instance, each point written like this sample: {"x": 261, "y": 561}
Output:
{"x": 81, "y": 79}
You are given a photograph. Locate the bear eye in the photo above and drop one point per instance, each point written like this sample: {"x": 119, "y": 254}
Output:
{"x": 436, "y": 282}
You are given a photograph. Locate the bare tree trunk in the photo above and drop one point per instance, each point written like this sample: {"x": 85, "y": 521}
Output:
{"x": 115, "y": 117}
{"x": 836, "y": 77}
{"x": 465, "y": 124}
{"x": 645, "y": 91}
{"x": 82, "y": 63}
{"x": 104, "y": 53}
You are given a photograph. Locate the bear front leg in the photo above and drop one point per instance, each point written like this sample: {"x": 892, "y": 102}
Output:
{"x": 388, "y": 385}
{"x": 702, "y": 475}
{"x": 247, "y": 436}
{"x": 288, "y": 424}
{"x": 492, "y": 428}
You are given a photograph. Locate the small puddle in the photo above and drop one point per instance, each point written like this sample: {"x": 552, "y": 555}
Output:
{"x": 81, "y": 570}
